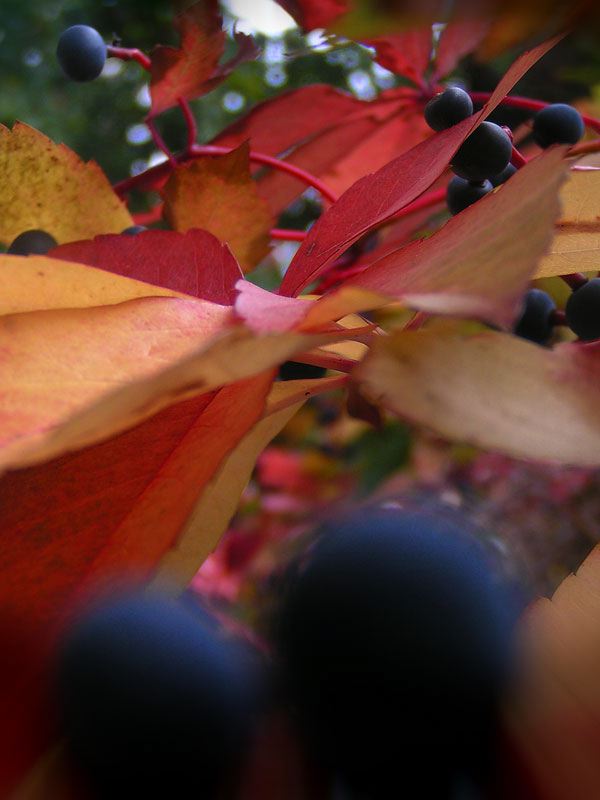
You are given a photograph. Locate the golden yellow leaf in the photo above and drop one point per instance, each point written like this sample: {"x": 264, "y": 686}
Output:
{"x": 47, "y": 186}
{"x": 576, "y": 243}
{"x": 219, "y": 195}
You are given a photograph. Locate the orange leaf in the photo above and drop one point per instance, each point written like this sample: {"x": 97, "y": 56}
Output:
{"x": 219, "y": 195}
{"x": 69, "y": 524}
{"x": 47, "y": 186}
{"x": 492, "y": 390}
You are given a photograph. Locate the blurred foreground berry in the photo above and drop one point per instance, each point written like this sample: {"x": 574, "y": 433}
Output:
{"x": 461, "y": 193}
{"x": 156, "y": 702}
{"x": 396, "y": 642}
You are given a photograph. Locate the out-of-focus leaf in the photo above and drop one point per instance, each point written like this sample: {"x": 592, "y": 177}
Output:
{"x": 493, "y": 390}
{"x": 407, "y": 54}
{"x": 47, "y": 186}
{"x": 195, "y": 263}
{"x": 576, "y": 244}
{"x": 39, "y": 283}
{"x": 457, "y": 40}
{"x": 113, "y": 509}
{"x": 555, "y": 721}
{"x": 219, "y": 195}
{"x": 375, "y": 198}
{"x": 311, "y": 14}
{"x": 193, "y": 68}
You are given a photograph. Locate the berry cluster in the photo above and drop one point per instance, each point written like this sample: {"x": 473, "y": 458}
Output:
{"x": 483, "y": 160}
{"x": 393, "y": 647}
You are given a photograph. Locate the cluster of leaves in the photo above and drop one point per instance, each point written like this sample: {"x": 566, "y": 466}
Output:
{"x": 138, "y": 372}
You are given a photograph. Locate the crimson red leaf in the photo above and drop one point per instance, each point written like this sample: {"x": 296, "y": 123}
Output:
{"x": 375, "y": 198}
{"x": 68, "y": 524}
{"x": 193, "y": 69}
{"x": 311, "y": 14}
{"x": 457, "y": 40}
{"x": 194, "y": 263}
{"x": 406, "y": 54}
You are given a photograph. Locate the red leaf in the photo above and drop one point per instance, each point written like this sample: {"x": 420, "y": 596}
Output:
{"x": 311, "y": 14}
{"x": 458, "y": 39}
{"x": 375, "y": 198}
{"x": 406, "y": 54}
{"x": 194, "y": 263}
{"x": 193, "y": 69}
{"x": 116, "y": 507}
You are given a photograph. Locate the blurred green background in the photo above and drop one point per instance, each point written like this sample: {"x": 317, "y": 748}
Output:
{"x": 104, "y": 120}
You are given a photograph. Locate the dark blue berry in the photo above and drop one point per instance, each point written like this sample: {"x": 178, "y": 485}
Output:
{"x": 583, "y": 311}
{"x": 448, "y": 108}
{"x": 32, "y": 242}
{"x": 461, "y": 193}
{"x": 396, "y": 643}
{"x": 535, "y": 322}
{"x": 133, "y": 230}
{"x": 503, "y": 176}
{"x": 81, "y": 52}
{"x": 155, "y": 701}
{"x": 557, "y": 124}
{"x": 485, "y": 152}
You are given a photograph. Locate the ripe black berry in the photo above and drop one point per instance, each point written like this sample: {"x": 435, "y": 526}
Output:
{"x": 535, "y": 322}
{"x": 503, "y": 176}
{"x": 32, "y": 242}
{"x": 461, "y": 193}
{"x": 448, "y": 108}
{"x": 81, "y": 52}
{"x": 395, "y": 642}
{"x": 557, "y": 124}
{"x": 583, "y": 310}
{"x": 485, "y": 152}
{"x": 133, "y": 230}
{"x": 155, "y": 701}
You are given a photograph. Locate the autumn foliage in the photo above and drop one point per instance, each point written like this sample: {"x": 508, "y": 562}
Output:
{"x": 137, "y": 373}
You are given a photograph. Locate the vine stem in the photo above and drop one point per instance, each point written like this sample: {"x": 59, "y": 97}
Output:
{"x": 191, "y": 124}
{"x": 517, "y": 158}
{"x": 288, "y": 235}
{"x": 528, "y": 104}
{"x": 130, "y": 54}
{"x": 160, "y": 142}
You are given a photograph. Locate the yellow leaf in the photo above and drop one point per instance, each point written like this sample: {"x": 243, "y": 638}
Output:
{"x": 39, "y": 283}
{"x": 576, "y": 243}
{"x": 219, "y": 195}
{"x": 47, "y": 186}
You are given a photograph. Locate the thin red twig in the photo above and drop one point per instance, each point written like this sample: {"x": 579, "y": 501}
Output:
{"x": 327, "y": 360}
{"x": 528, "y": 104}
{"x": 160, "y": 142}
{"x": 517, "y": 158}
{"x": 191, "y": 124}
{"x": 275, "y": 163}
{"x": 129, "y": 54}
{"x": 558, "y": 317}
{"x": 288, "y": 235}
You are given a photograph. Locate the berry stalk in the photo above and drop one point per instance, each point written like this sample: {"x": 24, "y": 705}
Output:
{"x": 528, "y": 104}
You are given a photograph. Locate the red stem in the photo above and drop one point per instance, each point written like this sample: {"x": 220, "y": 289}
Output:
{"x": 558, "y": 317}
{"x": 190, "y": 121}
{"x": 160, "y": 142}
{"x": 270, "y": 161}
{"x": 327, "y": 360}
{"x": 517, "y": 159}
{"x": 288, "y": 235}
{"x": 529, "y": 105}
{"x": 129, "y": 54}
{"x": 575, "y": 281}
